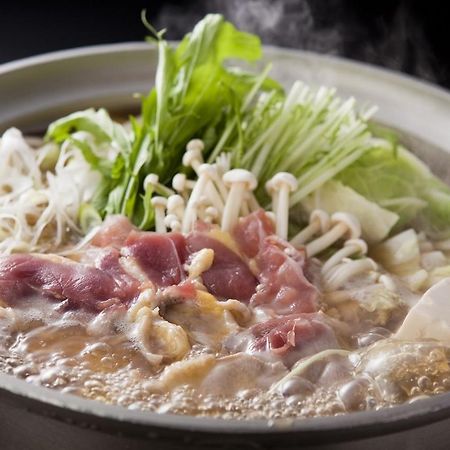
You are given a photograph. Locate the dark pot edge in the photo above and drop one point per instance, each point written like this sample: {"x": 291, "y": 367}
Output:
{"x": 121, "y": 421}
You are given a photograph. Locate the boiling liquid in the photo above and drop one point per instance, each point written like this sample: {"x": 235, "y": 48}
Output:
{"x": 91, "y": 356}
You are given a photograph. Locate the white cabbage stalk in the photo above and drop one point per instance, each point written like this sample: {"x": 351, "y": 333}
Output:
{"x": 37, "y": 208}
{"x": 333, "y": 196}
{"x": 399, "y": 254}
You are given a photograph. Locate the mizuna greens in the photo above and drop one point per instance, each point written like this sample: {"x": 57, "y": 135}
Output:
{"x": 201, "y": 91}
{"x": 194, "y": 94}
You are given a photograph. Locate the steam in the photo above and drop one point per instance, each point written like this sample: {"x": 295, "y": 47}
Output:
{"x": 395, "y": 40}
{"x": 400, "y": 44}
{"x": 287, "y": 23}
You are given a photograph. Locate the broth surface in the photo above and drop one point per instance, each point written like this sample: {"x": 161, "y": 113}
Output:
{"x": 92, "y": 355}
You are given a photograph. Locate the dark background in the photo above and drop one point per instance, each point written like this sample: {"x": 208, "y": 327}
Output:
{"x": 410, "y": 36}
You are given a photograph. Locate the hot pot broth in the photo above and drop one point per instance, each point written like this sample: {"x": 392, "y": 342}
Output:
{"x": 240, "y": 275}
{"x": 228, "y": 368}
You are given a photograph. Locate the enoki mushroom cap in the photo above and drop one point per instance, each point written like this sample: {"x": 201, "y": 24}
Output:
{"x": 207, "y": 169}
{"x": 360, "y": 243}
{"x": 193, "y": 154}
{"x": 159, "y": 201}
{"x": 195, "y": 145}
{"x": 212, "y": 212}
{"x": 240, "y": 176}
{"x": 151, "y": 180}
{"x": 174, "y": 202}
{"x": 353, "y": 225}
{"x": 171, "y": 220}
{"x": 179, "y": 182}
{"x": 282, "y": 179}
{"x": 322, "y": 218}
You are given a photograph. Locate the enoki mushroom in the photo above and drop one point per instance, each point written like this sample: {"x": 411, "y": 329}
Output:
{"x": 324, "y": 232}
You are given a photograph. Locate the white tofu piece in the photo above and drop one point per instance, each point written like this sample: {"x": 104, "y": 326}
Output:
{"x": 430, "y": 317}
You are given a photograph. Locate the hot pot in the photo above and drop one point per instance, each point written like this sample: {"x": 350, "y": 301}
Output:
{"x": 37, "y": 90}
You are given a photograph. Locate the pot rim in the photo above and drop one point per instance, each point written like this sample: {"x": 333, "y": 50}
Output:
{"x": 366, "y": 423}
{"x": 77, "y": 52}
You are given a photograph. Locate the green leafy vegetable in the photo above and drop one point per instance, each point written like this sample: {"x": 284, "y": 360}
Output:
{"x": 311, "y": 133}
{"x": 400, "y": 182}
{"x": 376, "y": 222}
{"x": 195, "y": 94}
{"x": 194, "y": 89}
{"x": 95, "y": 134}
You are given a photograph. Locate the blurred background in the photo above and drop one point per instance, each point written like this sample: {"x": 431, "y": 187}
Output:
{"x": 408, "y": 36}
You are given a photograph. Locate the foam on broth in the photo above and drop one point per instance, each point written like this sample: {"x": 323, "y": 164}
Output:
{"x": 87, "y": 355}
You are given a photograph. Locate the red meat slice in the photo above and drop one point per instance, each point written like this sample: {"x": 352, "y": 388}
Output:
{"x": 251, "y": 231}
{"x": 283, "y": 286}
{"x": 113, "y": 232}
{"x": 293, "y": 337}
{"x": 229, "y": 276}
{"x": 24, "y": 275}
{"x": 160, "y": 256}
